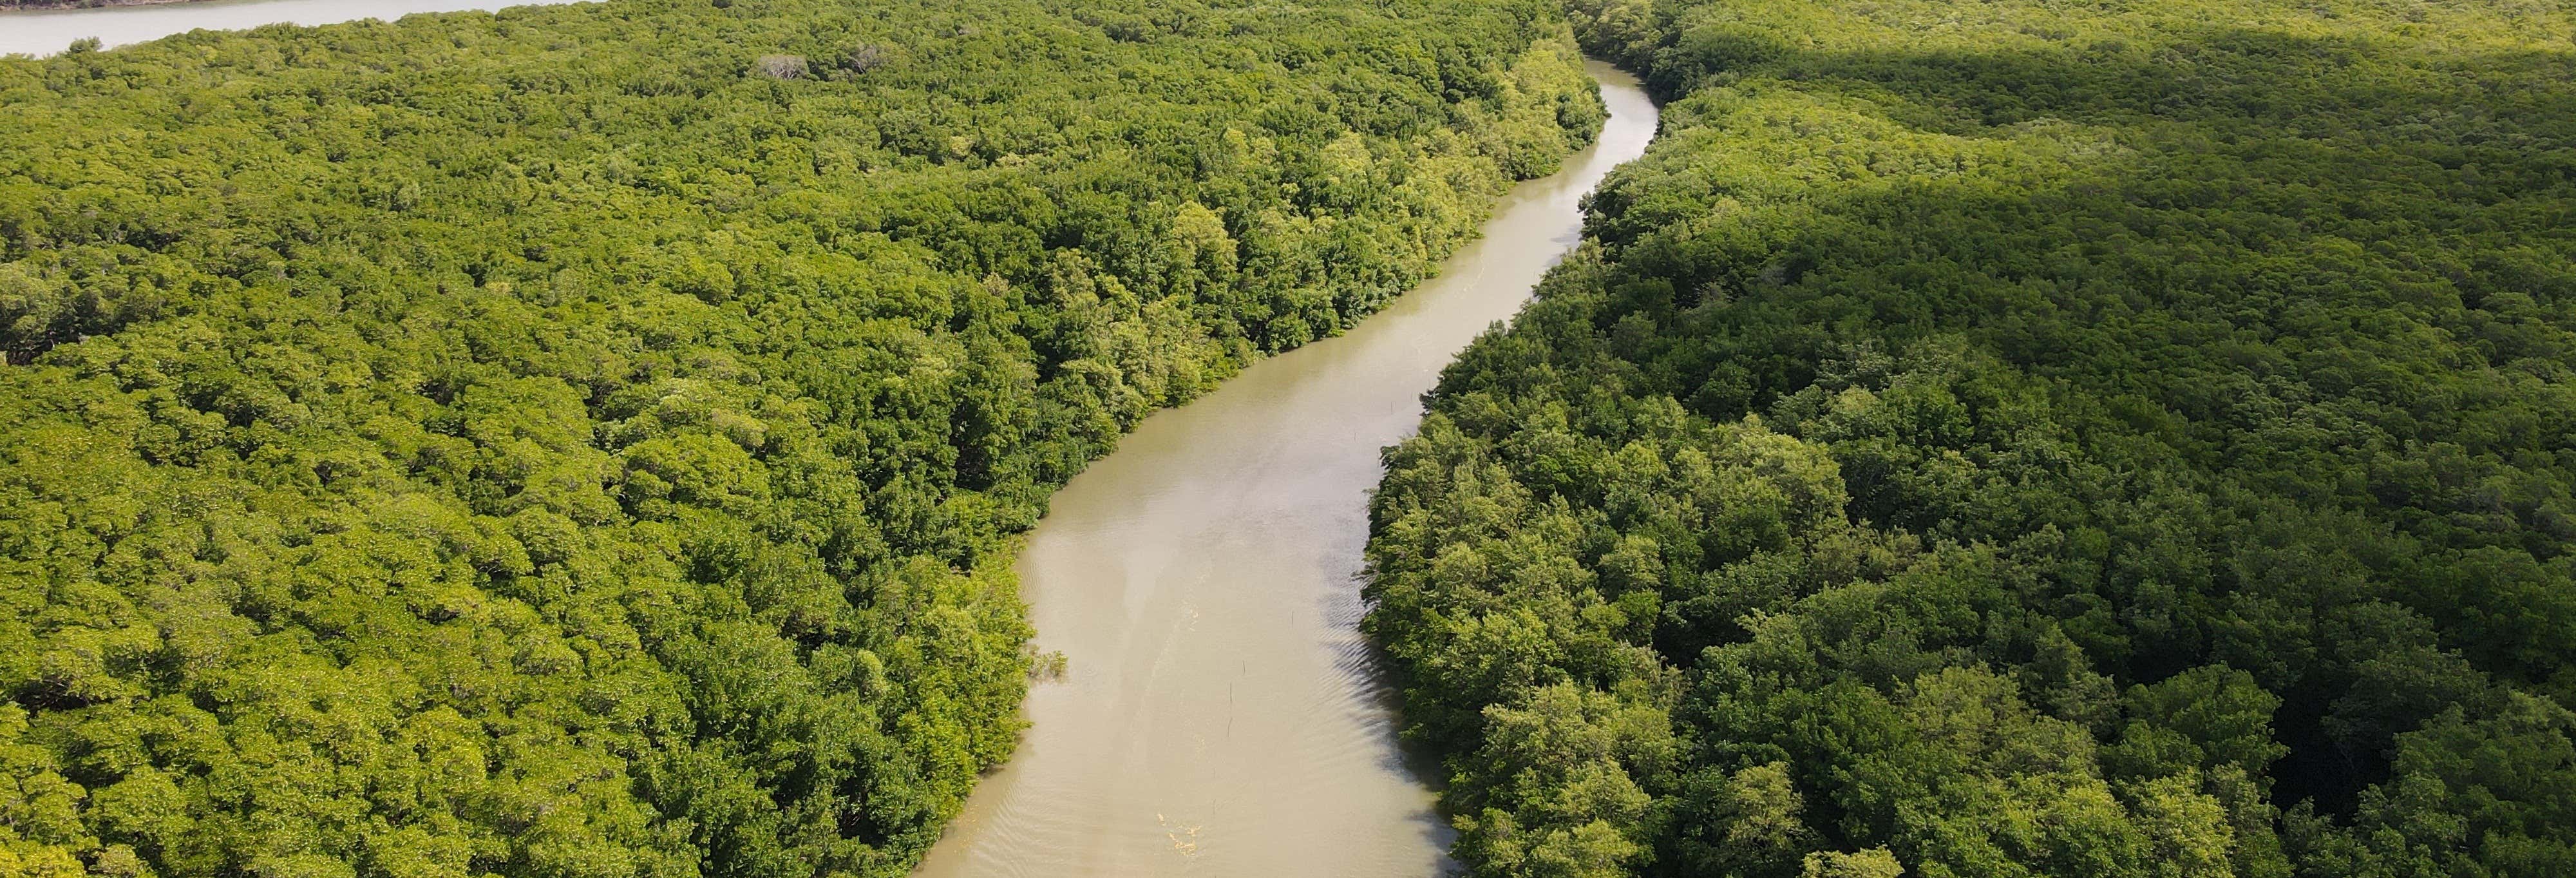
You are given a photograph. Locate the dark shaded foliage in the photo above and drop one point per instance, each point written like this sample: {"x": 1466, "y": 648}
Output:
{"x": 2025, "y": 439}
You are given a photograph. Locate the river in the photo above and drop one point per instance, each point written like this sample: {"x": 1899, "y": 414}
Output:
{"x": 46, "y": 31}
{"x": 1220, "y": 713}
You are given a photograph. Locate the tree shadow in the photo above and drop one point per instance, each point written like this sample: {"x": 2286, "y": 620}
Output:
{"x": 2286, "y": 273}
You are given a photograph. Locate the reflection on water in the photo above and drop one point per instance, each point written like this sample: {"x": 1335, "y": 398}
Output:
{"x": 1220, "y": 714}
{"x": 46, "y": 31}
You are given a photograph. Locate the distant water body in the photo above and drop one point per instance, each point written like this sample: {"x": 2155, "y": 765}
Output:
{"x": 47, "y": 31}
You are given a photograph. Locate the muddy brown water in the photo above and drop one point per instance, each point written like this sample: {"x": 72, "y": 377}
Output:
{"x": 1220, "y": 713}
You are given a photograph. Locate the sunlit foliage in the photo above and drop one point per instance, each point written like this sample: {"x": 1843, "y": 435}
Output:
{"x": 587, "y": 440}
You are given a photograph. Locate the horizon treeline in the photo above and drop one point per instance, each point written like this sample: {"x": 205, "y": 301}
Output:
{"x": 2025, "y": 438}
{"x": 588, "y": 440}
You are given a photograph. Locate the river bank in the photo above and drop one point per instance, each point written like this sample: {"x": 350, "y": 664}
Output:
{"x": 1220, "y": 713}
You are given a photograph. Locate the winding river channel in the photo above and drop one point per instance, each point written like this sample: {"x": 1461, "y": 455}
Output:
{"x": 1220, "y": 713}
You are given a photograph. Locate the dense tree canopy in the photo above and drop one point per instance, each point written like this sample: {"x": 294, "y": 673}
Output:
{"x": 587, "y": 440}
{"x": 2025, "y": 438}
